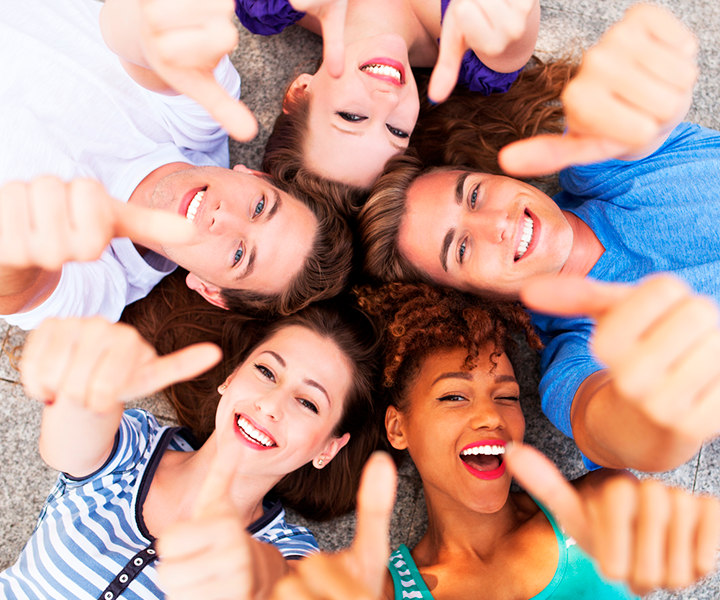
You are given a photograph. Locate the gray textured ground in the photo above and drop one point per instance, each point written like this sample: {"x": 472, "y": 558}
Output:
{"x": 266, "y": 65}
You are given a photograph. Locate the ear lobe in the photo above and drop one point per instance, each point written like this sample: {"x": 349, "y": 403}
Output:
{"x": 331, "y": 450}
{"x": 297, "y": 88}
{"x": 394, "y": 428}
{"x": 207, "y": 291}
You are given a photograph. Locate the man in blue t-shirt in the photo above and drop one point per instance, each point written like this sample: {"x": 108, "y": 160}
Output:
{"x": 651, "y": 206}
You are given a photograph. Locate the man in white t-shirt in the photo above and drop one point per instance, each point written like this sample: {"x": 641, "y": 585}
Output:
{"x": 74, "y": 111}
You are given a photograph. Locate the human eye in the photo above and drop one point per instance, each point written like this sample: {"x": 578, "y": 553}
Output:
{"x": 397, "y": 132}
{"x": 265, "y": 372}
{"x": 238, "y": 255}
{"x": 260, "y": 207}
{"x": 473, "y": 196}
{"x": 452, "y": 398}
{"x": 350, "y": 117}
{"x": 461, "y": 250}
{"x": 309, "y": 405}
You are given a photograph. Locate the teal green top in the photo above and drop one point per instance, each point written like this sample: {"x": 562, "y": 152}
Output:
{"x": 576, "y": 577}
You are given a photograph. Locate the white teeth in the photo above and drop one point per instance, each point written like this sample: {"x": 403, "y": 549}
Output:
{"x": 489, "y": 450}
{"x": 194, "y": 205}
{"x": 525, "y": 238}
{"x": 383, "y": 70}
{"x": 254, "y": 434}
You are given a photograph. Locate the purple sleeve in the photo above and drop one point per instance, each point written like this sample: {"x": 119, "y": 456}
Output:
{"x": 478, "y": 77}
{"x": 266, "y": 17}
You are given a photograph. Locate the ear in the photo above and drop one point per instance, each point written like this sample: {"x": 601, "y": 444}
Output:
{"x": 207, "y": 291}
{"x": 244, "y": 169}
{"x": 394, "y": 425}
{"x": 223, "y": 387}
{"x": 334, "y": 446}
{"x": 297, "y": 88}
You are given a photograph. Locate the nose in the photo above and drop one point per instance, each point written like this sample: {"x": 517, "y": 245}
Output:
{"x": 486, "y": 416}
{"x": 270, "y": 405}
{"x": 492, "y": 225}
{"x": 385, "y": 95}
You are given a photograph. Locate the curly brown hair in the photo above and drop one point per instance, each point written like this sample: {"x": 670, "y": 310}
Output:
{"x": 465, "y": 132}
{"x": 419, "y": 319}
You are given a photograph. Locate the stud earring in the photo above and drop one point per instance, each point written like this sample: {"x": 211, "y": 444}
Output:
{"x": 320, "y": 462}
{"x": 223, "y": 387}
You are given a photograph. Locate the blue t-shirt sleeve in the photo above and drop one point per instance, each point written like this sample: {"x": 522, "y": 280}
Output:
{"x": 476, "y": 75}
{"x": 566, "y": 362}
{"x": 266, "y": 17}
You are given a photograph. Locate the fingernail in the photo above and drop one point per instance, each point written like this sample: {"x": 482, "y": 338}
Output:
{"x": 509, "y": 447}
{"x": 431, "y": 101}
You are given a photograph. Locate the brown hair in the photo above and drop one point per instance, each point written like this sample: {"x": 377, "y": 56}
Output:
{"x": 326, "y": 269}
{"x": 419, "y": 319}
{"x": 170, "y": 325}
{"x": 466, "y": 132}
{"x": 284, "y": 158}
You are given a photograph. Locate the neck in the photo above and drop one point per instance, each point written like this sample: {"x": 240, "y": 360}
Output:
{"x": 142, "y": 194}
{"x": 180, "y": 476}
{"x": 449, "y": 525}
{"x": 586, "y": 248}
{"x": 416, "y": 25}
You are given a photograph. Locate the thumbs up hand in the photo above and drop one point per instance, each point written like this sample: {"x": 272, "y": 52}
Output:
{"x": 212, "y": 556}
{"x": 641, "y": 532}
{"x": 659, "y": 340}
{"x": 183, "y": 41}
{"x": 357, "y": 573}
{"x": 630, "y": 92}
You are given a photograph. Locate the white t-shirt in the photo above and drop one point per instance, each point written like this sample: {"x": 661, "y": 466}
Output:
{"x": 69, "y": 109}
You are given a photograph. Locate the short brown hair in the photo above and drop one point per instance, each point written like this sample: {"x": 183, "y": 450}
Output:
{"x": 324, "y": 274}
{"x": 466, "y": 132}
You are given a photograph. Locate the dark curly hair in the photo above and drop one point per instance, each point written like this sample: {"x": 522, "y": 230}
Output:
{"x": 419, "y": 319}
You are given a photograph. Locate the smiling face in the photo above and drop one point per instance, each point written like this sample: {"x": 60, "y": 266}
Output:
{"x": 360, "y": 120}
{"x": 250, "y": 235}
{"x": 482, "y": 233}
{"x": 455, "y": 424}
{"x": 282, "y": 404}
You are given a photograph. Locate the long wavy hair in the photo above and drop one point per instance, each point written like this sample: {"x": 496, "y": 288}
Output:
{"x": 467, "y": 132}
{"x": 170, "y": 325}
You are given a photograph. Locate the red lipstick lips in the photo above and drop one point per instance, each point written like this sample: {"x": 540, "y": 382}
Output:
{"x": 473, "y": 461}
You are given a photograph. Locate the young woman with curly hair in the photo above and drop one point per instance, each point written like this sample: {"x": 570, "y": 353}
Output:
{"x": 616, "y": 221}
{"x": 454, "y": 403}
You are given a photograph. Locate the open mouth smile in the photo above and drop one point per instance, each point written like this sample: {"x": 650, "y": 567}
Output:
{"x": 526, "y": 236}
{"x": 484, "y": 459}
{"x": 194, "y": 205}
{"x": 385, "y": 69}
{"x": 252, "y": 434}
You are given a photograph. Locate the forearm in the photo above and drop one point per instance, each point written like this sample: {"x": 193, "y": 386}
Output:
{"x": 120, "y": 25}
{"x": 269, "y": 567}
{"x": 517, "y": 53}
{"x": 614, "y": 433}
{"x": 75, "y": 440}
{"x": 25, "y": 288}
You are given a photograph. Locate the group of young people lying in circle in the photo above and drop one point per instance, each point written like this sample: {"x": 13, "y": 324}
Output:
{"x": 129, "y": 179}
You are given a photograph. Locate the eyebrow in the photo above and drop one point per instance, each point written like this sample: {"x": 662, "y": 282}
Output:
{"x": 253, "y": 253}
{"x": 315, "y": 384}
{"x": 393, "y": 144}
{"x": 447, "y": 240}
{"x": 277, "y": 358}
{"x": 467, "y": 376}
